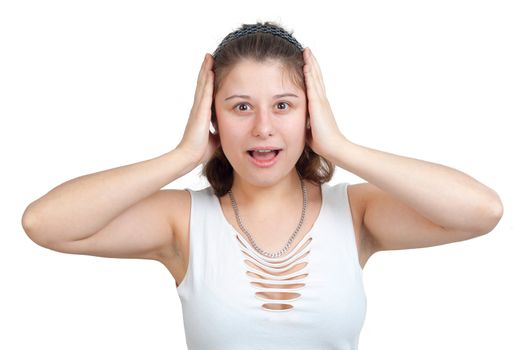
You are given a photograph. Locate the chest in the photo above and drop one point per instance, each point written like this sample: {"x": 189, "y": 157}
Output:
{"x": 271, "y": 236}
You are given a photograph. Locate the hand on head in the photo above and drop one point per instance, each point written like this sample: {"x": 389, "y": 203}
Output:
{"x": 198, "y": 140}
{"x": 323, "y": 135}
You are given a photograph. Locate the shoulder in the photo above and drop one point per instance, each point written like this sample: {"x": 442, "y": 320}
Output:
{"x": 176, "y": 200}
{"x": 357, "y": 201}
{"x": 179, "y": 212}
{"x": 176, "y": 204}
{"x": 358, "y": 195}
{"x": 179, "y": 200}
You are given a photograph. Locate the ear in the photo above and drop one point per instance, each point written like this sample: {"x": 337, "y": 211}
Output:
{"x": 213, "y": 128}
{"x": 213, "y": 121}
{"x": 307, "y": 119}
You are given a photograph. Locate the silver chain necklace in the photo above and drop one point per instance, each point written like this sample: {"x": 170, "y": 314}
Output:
{"x": 252, "y": 241}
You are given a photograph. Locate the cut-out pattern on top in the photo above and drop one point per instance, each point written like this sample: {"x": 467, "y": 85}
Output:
{"x": 277, "y": 280}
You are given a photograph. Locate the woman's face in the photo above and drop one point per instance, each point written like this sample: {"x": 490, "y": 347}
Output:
{"x": 258, "y": 106}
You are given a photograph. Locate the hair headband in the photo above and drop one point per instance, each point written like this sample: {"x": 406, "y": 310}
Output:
{"x": 248, "y": 29}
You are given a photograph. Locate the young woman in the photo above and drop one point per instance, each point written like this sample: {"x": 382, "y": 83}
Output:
{"x": 269, "y": 256}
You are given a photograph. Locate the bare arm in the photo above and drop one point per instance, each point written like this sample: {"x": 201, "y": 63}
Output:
{"x": 121, "y": 212}
{"x": 408, "y": 202}
{"x": 82, "y": 206}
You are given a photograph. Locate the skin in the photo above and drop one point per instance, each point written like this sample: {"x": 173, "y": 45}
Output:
{"x": 406, "y": 202}
{"x": 261, "y": 120}
{"x": 121, "y": 213}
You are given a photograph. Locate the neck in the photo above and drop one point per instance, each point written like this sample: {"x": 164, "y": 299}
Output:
{"x": 254, "y": 195}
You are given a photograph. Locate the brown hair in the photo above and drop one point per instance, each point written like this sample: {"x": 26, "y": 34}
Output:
{"x": 261, "y": 47}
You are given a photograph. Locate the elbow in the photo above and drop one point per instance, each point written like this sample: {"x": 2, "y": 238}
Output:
{"x": 28, "y": 221}
{"x": 30, "y": 226}
{"x": 491, "y": 215}
{"x": 497, "y": 212}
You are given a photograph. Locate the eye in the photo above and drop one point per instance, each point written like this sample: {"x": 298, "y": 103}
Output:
{"x": 283, "y": 104}
{"x": 240, "y": 104}
{"x": 242, "y": 107}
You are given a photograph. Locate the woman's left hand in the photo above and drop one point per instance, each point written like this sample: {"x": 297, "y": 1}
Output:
{"x": 323, "y": 135}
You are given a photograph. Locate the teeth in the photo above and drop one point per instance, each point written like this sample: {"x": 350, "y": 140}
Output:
{"x": 264, "y": 150}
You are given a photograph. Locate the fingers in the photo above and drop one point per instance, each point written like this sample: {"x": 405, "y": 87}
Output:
{"x": 207, "y": 97}
{"x": 199, "y": 78}
{"x": 204, "y": 89}
{"x": 313, "y": 76}
{"x": 316, "y": 69}
{"x": 205, "y": 101}
{"x": 206, "y": 65}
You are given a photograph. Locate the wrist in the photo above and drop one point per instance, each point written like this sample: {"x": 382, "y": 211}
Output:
{"x": 184, "y": 160}
{"x": 336, "y": 150}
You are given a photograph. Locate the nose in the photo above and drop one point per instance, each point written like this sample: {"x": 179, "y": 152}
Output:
{"x": 263, "y": 124}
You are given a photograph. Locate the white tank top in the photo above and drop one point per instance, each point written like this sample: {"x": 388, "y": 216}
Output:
{"x": 225, "y": 309}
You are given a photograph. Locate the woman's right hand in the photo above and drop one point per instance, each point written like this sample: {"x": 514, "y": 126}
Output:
{"x": 198, "y": 141}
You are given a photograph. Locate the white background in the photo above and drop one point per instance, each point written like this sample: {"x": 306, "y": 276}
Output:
{"x": 91, "y": 85}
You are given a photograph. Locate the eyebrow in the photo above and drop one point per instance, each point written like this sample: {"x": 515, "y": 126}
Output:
{"x": 248, "y": 97}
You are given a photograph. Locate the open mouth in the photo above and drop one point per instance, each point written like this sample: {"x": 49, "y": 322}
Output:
{"x": 264, "y": 155}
